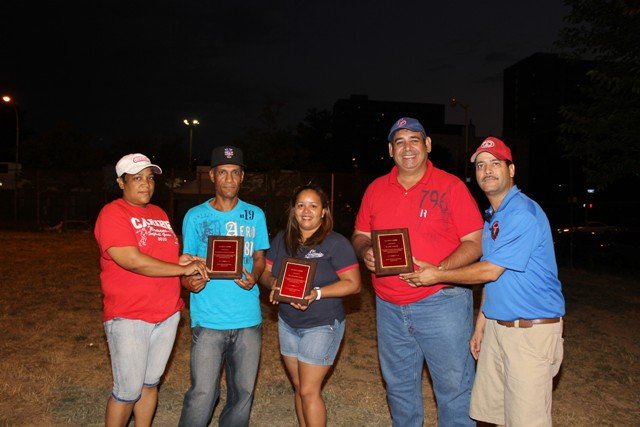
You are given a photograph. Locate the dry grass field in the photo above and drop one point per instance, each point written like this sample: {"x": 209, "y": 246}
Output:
{"x": 54, "y": 366}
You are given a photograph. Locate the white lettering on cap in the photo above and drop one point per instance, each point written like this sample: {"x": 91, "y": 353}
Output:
{"x": 487, "y": 143}
{"x": 137, "y": 159}
{"x": 401, "y": 122}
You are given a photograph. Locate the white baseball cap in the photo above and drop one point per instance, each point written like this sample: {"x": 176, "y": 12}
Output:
{"x": 134, "y": 163}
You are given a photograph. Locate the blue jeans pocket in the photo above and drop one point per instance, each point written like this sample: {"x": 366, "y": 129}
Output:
{"x": 452, "y": 291}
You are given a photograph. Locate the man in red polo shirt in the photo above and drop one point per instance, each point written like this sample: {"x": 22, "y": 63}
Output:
{"x": 432, "y": 324}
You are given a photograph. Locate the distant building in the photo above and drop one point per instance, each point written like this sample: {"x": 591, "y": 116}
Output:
{"x": 9, "y": 174}
{"x": 534, "y": 90}
{"x": 361, "y": 126}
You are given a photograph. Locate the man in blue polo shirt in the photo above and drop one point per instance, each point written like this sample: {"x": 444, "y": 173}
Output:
{"x": 518, "y": 336}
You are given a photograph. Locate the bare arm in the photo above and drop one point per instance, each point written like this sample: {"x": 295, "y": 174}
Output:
{"x": 361, "y": 242}
{"x": 251, "y": 278}
{"x": 259, "y": 264}
{"x": 470, "y": 250}
{"x": 130, "y": 258}
{"x": 474, "y": 274}
{"x": 194, "y": 283}
{"x": 187, "y": 258}
{"x": 348, "y": 284}
{"x": 478, "y": 333}
{"x": 455, "y": 268}
{"x": 269, "y": 281}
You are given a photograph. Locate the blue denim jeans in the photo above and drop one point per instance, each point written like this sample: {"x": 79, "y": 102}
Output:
{"x": 240, "y": 350}
{"x": 437, "y": 330}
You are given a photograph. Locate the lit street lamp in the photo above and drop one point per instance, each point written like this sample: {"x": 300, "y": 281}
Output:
{"x": 454, "y": 102}
{"x": 8, "y": 100}
{"x": 190, "y": 124}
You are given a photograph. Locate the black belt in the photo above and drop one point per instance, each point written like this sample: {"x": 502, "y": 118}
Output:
{"x": 527, "y": 323}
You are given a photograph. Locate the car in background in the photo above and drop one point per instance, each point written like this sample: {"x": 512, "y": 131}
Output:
{"x": 589, "y": 234}
{"x": 600, "y": 246}
{"x": 595, "y": 228}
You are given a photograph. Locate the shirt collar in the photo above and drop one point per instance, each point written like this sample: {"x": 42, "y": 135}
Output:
{"x": 393, "y": 176}
{"x": 489, "y": 212}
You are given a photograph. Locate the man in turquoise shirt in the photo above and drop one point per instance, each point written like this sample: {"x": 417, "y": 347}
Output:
{"x": 225, "y": 313}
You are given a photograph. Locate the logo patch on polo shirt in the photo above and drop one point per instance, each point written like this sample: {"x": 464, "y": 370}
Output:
{"x": 495, "y": 229}
{"x": 313, "y": 254}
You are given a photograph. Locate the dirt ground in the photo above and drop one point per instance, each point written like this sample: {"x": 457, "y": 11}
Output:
{"x": 54, "y": 364}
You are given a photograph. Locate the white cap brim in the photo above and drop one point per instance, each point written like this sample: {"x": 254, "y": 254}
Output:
{"x": 138, "y": 167}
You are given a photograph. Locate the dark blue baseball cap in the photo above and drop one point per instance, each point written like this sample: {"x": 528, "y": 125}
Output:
{"x": 407, "y": 123}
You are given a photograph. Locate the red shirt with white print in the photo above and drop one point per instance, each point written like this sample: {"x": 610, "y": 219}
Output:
{"x": 438, "y": 210}
{"x": 127, "y": 294}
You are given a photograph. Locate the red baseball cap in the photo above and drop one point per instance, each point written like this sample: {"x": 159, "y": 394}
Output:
{"x": 494, "y": 146}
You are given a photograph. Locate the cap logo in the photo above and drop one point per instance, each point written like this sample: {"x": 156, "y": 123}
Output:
{"x": 228, "y": 152}
{"x": 401, "y": 122}
{"x": 137, "y": 159}
{"x": 487, "y": 143}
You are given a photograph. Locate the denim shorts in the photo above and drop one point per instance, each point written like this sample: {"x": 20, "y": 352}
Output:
{"x": 315, "y": 346}
{"x": 139, "y": 353}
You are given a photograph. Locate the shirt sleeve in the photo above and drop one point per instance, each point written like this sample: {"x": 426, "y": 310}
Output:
{"x": 114, "y": 229}
{"x": 515, "y": 241}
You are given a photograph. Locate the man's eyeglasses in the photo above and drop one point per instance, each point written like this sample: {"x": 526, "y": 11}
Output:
{"x": 488, "y": 214}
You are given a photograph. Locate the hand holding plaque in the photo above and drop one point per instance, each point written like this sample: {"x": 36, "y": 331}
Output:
{"x": 392, "y": 251}
{"x": 224, "y": 257}
{"x": 295, "y": 280}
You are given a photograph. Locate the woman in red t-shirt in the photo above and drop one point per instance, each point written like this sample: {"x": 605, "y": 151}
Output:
{"x": 140, "y": 269}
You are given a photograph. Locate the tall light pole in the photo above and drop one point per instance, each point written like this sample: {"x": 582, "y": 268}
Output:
{"x": 190, "y": 124}
{"x": 454, "y": 103}
{"x": 8, "y": 100}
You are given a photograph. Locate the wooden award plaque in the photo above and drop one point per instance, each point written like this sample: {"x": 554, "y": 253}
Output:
{"x": 392, "y": 251}
{"x": 224, "y": 257}
{"x": 295, "y": 280}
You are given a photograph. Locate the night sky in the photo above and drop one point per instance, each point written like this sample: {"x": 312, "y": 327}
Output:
{"x": 123, "y": 70}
